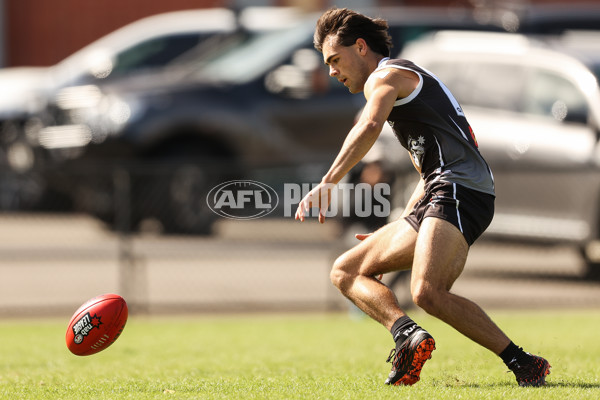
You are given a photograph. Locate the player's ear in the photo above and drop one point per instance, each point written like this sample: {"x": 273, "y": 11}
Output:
{"x": 362, "y": 46}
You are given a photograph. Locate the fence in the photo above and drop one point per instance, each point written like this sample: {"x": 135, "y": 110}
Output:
{"x": 51, "y": 261}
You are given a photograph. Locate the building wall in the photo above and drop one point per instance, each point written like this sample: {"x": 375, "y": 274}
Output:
{"x": 43, "y": 32}
{"x": 2, "y": 35}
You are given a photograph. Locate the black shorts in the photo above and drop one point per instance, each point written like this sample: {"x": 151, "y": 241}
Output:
{"x": 471, "y": 211}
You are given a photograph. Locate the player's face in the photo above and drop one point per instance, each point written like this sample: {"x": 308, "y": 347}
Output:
{"x": 347, "y": 63}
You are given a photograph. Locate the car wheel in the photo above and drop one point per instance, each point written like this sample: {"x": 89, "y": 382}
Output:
{"x": 591, "y": 256}
{"x": 184, "y": 196}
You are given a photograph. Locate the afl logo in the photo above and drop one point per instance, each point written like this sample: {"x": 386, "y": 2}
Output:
{"x": 242, "y": 199}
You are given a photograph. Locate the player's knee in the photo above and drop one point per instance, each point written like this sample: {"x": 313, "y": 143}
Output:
{"x": 340, "y": 277}
{"x": 426, "y": 297}
{"x": 337, "y": 277}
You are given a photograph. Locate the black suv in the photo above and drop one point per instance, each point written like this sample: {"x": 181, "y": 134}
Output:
{"x": 256, "y": 101}
{"x": 144, "y": 46}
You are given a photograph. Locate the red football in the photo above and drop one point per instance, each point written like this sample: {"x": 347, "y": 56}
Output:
{"x": 96, "y": 324}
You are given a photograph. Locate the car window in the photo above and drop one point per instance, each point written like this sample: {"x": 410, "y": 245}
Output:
{"x": 156, "y": 52}
{"x": 553, "y": 96}
{"x": 256, "y": 54}
{"x": 596, "y": 71}
{"x": 489, "y": 85}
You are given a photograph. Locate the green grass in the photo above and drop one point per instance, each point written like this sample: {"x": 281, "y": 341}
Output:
{"x": 291, "y": 357}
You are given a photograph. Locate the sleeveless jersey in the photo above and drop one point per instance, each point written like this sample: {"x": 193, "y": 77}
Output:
{"x": 431, "y": 125}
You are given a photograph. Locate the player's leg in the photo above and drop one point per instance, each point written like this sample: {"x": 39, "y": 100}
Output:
{"x": 390, "y": 248}
{"x": 440, "y": 255}
{"x": 439, "y": 259}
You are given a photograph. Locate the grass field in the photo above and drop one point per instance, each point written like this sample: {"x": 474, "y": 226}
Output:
{"x": 291, "y": 357}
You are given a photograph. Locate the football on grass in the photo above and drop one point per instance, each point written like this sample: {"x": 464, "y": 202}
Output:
{"x": 96, "y": 324}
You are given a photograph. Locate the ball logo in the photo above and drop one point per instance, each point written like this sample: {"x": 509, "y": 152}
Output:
{"x": 243, "y": 199}
{"x": 83, "y": 327}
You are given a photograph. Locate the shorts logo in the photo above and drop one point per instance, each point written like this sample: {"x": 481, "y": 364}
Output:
{"x": 83, "y": 327}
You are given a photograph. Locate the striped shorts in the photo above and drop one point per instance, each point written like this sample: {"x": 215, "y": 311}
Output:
{"x": 471, "y": 211}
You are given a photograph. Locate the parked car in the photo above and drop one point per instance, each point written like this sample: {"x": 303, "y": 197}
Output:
{"x": 144, "y": 46}
{"x": 534, "y": 105}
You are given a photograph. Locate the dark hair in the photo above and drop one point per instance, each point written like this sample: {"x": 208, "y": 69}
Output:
{"x": 348, "y": 26}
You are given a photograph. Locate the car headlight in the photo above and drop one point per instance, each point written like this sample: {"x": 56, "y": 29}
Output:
{"x": 20, "y": 157}
{"x": 118, "y": 111}
{"x": 88, "y": 115}
{"x": 64, "y": 136}
{"x": 78, "y": 97}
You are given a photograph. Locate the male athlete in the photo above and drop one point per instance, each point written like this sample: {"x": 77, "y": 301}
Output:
{"x": 450, "y": 208}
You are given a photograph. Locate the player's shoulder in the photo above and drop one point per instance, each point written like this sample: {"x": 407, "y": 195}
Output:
{"x": 394, "y": 71}
{"x": 396, "y": 67}
{"x": 397, "y": 63}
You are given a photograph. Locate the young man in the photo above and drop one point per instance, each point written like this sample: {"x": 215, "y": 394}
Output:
{"x": 450, "y": 207}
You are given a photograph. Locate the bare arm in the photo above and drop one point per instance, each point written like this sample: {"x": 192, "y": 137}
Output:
{"x": 414, "y": 198}
{"x": 418, "y": 194}
{"x": 358, "y": 142}
{"x": 381, "y": 92}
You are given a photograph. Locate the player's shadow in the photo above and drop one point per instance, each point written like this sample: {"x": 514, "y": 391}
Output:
{"x": 578, "y": 385}
{"x": 555, "y": 384}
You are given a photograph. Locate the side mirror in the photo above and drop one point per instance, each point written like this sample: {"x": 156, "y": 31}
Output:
{"x": 577, "y": 113}
{"x": 302, "y": 78}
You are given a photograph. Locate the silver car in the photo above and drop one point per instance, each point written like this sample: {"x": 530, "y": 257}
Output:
{"x": 534, "y": 105}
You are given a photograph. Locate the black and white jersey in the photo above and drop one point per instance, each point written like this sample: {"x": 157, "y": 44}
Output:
{"x": 431, "y": 125}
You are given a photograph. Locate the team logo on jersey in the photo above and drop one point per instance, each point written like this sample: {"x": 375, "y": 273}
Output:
{"x": 417, "y": 149}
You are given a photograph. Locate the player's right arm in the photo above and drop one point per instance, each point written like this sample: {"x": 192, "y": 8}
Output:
{"x": 381, "y": 93}
{"x": 418, "y": 193}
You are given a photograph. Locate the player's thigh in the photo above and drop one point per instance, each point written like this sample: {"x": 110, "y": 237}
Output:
{"x": 390, "y": 248}
{"x": 440, "y": 255}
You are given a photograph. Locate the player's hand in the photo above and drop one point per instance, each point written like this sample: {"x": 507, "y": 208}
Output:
{"x": 320, "y": 197}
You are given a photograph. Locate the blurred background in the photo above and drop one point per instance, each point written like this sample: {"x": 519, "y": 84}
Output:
{"x": 118, "y": 118}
